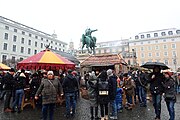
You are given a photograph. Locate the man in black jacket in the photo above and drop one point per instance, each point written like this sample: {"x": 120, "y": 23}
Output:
{"x": 8, "y": 82}
{"x": 70, "y": 85}
{"x": 156, "y": 88}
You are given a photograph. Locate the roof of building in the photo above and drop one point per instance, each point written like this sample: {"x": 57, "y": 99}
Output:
{"x": 67, "y": 56}
{"x": 103, "y": 60}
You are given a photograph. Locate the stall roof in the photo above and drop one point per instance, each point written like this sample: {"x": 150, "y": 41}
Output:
{"x": 103, "y": 60}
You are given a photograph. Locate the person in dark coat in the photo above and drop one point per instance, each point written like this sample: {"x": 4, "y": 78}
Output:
{"x": 8, "y": 87}
{"x": 19, "y": 86}
{"x": 170, "y": 93}
{"x": 112, "y": 80}
{"x": 34, "y": 85}
{"x": 103, "y": 100}
{"x": 70, "y": 86}
{"x": 156, "y": 89}
{"x": 92, "y": 93}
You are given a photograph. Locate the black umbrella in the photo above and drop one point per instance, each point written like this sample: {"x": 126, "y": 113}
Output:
{"x": 151, "y": 65}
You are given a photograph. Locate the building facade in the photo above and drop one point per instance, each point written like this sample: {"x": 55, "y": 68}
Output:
{"x": 160, "y": 45}
{"x": 19, "y": 41}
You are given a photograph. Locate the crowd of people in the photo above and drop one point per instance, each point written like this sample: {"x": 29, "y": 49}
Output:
{"x": 106, "y": 91}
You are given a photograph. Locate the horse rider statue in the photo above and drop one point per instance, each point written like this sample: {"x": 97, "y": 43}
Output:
{"x": 89, "y": 41}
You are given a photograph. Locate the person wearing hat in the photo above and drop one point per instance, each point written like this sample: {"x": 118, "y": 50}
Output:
{"x": 170, "y": 93}
{"x": 50, "y": 89}
{"x": 70, "y": 85}
{"x": 8, "y": 87}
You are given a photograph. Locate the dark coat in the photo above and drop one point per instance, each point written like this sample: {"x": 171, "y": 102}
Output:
{"x": 8, "y": 81}
{"x": 156, "y": 86}
{"x": 49, "y": 92}
{"x": 169, "y": 89}
{"x": 70, "y": 84}
{"x": 20, "y": 83}
{"x": 112, "y": 87}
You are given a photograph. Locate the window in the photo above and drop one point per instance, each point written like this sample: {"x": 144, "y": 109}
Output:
{"x": 174, "y": 53}
{"x": 4, "y": 57}
{"x": 142, "y": 36}
{"x": 29, "y": 50}
{"x": 23, "y": 32}
{"x": 149, "y": 48}
{"x": 35, "y": 51}
{"x": 35, "y": 43}
{"x": 51, "y": 41}
{"x": 129, "y": 62}
{"x": 163, "y": 33}
{"x": 5, "y": 46}
{"x": 63, "y": 50}
{"x": 14, "y": 38}
{"x": 150, "y": 54}
{"x": 63, "y": 45}
{"x": 172, "y": 40}
{"x": 6, "y": 36}
{"x": 156, "y": 41}
{"x": 14, "y": 48}
{"x": 46, "y": 40}
{"x": 56, "y": 43}
{"x": 29, "y": 42}
{"x": 157, "y": 47}
{"x": 30, "y": 35}
{"x": 36, "y": 37}
{"x": 55, "y": 48}
{"x": 166, "y": 54}
{"x": 142, "y": 55}
{"x": 142, "y": 62}
{"x": 155, "y": 34}
{"x": 59, "y": 49}
{"x": 148, "y": 35}
{"x": 41, "y": 45}
{"x": 141, "y": 42}
{"x": 173, "y": 46}
{"x": 157, "y": 54}
{"x": 170, "y": 32}
{"x": 157, "y": 60}
{"x": 6, "y": 27}
{"x": 166, "y": 62}
{"x": 51, "y": 47}
{"x": 178, "y": 31}
{"x": 142, "y": 48}
{"x": 134, "y": 43}
{"x": 22, "y": 49}
{"x": 15, "y": 30}
{"x": 136, "y": 37}
{"x": 165, "y": 46}
{"x": 13, "y": 59}
{"x": 21, "y": 58}
{"x": 41, "y": 38}
{"x": 59, "y": 44}
{"x": 149, "y": 42}
{"x": 164, "y": 40}
{"x": 150, "y": 60}
{"x": 22, "y": 40}
{"x": 105, "y": 50}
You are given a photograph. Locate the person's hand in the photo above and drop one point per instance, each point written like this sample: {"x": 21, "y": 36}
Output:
{"x": 36, "y": 97}
{"x": 153, "y": 76}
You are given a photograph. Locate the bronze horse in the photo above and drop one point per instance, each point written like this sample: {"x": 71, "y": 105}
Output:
{"x": 90, "y": 43}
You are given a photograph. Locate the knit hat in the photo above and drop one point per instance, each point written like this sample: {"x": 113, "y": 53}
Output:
{"x": 109, "y": 72}
{"x": 50, "y": 73}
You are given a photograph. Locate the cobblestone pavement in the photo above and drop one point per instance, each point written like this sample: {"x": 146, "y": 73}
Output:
{"x": 83, "y": 112}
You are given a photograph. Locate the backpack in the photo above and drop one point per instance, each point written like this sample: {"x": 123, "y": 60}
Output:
{"x": 103, "y": 88}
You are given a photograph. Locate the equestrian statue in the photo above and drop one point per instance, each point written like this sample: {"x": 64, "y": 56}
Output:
{"x": 89, "y": 41}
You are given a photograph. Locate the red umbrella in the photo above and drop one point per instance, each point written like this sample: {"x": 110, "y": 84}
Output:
{"x": 47, "y": 60}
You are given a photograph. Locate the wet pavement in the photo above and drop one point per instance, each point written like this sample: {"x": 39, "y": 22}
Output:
{"x": 83, "y": 113}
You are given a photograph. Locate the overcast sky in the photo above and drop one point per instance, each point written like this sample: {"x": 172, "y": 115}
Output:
{"x": 114, "y": 19}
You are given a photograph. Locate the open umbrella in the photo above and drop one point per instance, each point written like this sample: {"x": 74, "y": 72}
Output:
{"x": 151, "y": 65}
{"x": 47, "y": 60}
{"x": 4, "y": 67}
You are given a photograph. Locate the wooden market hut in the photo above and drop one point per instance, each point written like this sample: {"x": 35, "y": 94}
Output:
{"x": 104, "y": 62}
